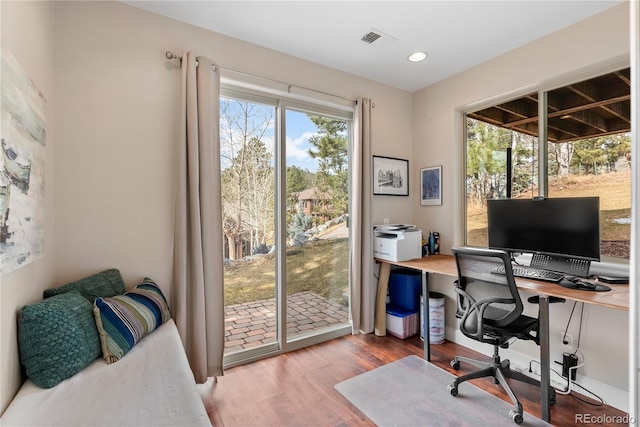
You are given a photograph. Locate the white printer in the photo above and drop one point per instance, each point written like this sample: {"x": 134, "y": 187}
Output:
{"x": 397, "y": 242}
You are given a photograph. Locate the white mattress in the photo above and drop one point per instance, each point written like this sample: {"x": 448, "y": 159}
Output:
{"x": 152, "y": 385}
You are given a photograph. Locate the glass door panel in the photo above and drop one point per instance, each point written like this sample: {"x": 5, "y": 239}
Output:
{"x": 247, "y": 147}
{"x": 317, "y": 196}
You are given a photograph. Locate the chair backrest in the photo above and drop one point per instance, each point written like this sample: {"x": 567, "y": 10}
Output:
{"x": 479, "y": 286}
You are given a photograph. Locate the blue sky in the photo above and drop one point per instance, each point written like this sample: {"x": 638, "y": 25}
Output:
{"x": 299, "y": 129}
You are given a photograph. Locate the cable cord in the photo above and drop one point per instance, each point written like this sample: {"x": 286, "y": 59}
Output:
{"x": 564, "y": 336}
{"x": 513, "y": 259}
{"x": 567, "y": 390}
{"x": 579, "y": 328}
{"x": 598, "y": 398}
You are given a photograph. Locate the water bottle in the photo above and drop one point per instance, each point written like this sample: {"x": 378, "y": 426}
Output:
{"x": 436, "y": 242}
{"x": 432, "y": 243}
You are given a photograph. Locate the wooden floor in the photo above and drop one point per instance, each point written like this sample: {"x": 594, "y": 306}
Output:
{"x": 297, "y": 388}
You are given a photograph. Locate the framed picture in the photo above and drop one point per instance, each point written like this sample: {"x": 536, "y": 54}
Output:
{"x": 390, "y": 176}
{"x": 431, "y": 186}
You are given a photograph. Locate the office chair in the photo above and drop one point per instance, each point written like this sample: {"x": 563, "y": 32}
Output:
{"x": 490, "y": 311}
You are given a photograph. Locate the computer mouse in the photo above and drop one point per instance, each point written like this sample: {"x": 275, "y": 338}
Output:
{"x": 584, "y": 284}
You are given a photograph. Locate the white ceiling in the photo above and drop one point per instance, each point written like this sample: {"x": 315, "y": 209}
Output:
{"x": 456, "y": 34}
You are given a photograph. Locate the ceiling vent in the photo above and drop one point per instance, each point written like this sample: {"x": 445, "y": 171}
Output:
{"x": 378, "y": 39}
{"x": 371, "y": 37}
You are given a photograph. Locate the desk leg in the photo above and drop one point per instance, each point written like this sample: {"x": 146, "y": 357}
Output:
{"x": 381, "y": 300}
{"x": 425, "y": 316}
{"x": 545, "y": 363}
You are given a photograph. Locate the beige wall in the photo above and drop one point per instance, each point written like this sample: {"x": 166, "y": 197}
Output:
{"x": 576, "y": 51}
{"x": 118, "y": 124}
{"x": 117, "y": 127}
{"x": 27, "y": 33}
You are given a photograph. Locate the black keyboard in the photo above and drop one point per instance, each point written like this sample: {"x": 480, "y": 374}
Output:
{"x": 532, "y": 273}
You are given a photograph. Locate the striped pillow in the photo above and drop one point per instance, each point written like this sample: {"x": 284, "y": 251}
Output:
{"x": 123, "y": 320}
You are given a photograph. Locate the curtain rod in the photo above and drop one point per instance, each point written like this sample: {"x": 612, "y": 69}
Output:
{"x": 171, "y": 56}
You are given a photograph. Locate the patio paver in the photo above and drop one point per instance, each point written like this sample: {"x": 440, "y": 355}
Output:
{"x": 253, "y": 324}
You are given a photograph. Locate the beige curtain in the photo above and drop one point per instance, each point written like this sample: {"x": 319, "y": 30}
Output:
{"x": 361, "y": 258}
{"x": 197, "y": 293}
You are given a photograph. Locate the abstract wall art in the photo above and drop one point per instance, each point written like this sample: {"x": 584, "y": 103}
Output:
{"x": 22, "y": 161}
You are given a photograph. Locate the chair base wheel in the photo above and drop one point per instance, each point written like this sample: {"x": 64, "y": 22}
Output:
{"x": 455, "y": 364}
{"x": 516, "y": 416}
{"x": 453, "y": 390}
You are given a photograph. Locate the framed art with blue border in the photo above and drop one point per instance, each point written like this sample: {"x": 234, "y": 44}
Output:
{"x": 431, "y": 186}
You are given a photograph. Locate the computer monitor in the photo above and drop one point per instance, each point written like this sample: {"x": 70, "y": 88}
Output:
{"x": 562, "y": 233}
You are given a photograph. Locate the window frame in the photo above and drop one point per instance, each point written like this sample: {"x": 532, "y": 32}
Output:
{"x": 542, "y": 169}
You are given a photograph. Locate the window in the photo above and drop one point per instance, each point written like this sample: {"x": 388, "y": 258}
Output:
{"x": 587, "y": 153}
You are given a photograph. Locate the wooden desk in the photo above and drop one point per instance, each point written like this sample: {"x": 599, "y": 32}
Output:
{"x": 617, "y": 298}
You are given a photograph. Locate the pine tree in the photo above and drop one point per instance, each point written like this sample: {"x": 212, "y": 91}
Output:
{"x": 330, "y": 149}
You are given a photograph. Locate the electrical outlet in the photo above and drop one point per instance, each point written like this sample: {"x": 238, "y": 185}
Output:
{"x": 566, "y": 340}
{"x": 386, "y": 220}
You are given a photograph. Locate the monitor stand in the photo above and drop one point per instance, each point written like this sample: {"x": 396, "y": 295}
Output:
{"x": 568, "y": 265}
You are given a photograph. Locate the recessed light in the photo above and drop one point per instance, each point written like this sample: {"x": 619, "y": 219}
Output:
{"x": 417, "y": 56}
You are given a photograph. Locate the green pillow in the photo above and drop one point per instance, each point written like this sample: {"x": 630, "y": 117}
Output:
{"x": 57, "y": 338}
{"x": 104, "y": 284}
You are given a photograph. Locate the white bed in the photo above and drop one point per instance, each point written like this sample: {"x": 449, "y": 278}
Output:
{"x": 152, "y": 385}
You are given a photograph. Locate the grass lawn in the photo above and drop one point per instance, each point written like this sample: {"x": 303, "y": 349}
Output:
{"x": 614, "y": 190}
{"x": 321, "y": 267}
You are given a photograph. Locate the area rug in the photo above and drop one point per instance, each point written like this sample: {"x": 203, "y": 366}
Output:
{"x": 413, "y": 392}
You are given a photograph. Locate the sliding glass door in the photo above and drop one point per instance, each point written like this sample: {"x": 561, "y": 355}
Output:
{"x": 285, "y": 218}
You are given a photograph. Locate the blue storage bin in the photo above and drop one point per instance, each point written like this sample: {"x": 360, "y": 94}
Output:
{"x": 404, "y": 288}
